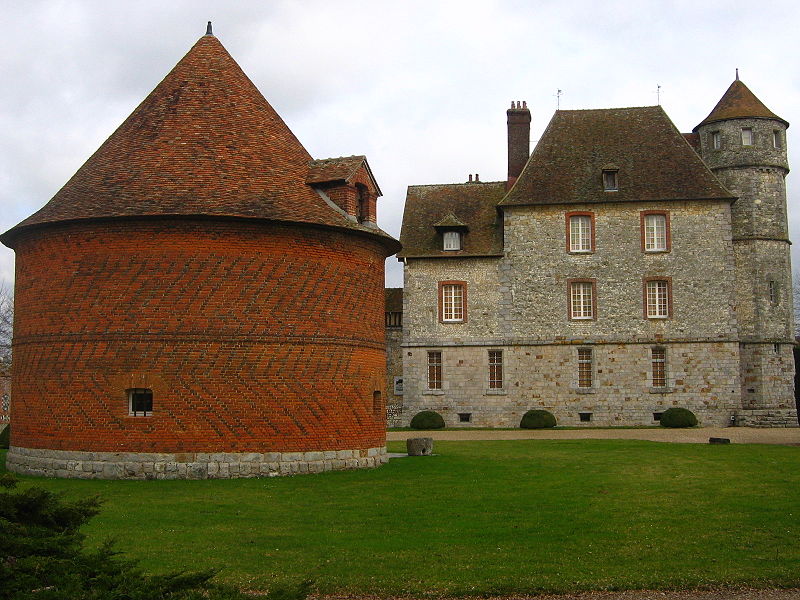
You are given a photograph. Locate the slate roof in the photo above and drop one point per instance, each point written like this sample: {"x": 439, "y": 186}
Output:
{"x": 654, "y": 160}
{"x": 472, "y": 204}
{"x": 204, "y": 142}
{"x": 394, "y": 299}
{"x": 738, "y": 102}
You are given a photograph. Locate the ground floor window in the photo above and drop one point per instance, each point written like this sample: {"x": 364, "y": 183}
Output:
{"x": 659, "y": 361}
{"x": 495, "y": 369}
{"x": 140, "y": 402}
{"x": 585, "y": 368}
{"x": 434, "y": 370}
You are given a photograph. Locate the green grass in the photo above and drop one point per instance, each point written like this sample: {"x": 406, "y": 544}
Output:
{"x": 479, "y": 518}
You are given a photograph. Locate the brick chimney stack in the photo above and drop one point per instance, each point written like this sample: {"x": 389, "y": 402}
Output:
{"x": 519, "y": 139}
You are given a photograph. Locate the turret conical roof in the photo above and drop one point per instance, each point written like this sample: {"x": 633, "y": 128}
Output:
{"x": 738, "y": 102}
{"x": 204, "y": 142}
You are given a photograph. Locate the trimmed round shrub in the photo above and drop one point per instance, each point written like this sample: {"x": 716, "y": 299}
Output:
{"x": 537, "y": 419}
{"x": 5, "y": 437}
{"x": 427, "y": 419}
{"x": 678, "y": 417}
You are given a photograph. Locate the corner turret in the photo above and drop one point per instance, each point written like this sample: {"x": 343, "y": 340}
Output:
{"x": 744, "y": 143}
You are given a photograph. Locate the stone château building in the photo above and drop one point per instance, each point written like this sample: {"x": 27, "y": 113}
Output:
{"x": 201, "y": 299}
{"x": 621, "y": 269}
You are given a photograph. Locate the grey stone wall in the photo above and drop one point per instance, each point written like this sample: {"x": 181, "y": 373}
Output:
{"x": 518, "y": 304}
{"x": 223, "y": 465}
{"x": 701, "y": 376}
{"x": 394, "y": 368}
{"x": 756, "y": 174}
{"x": 767, "y": 376}
{"x": 700, "y": 264}
{"x": 421, "y": 299}
{"x": 760, "y": 318}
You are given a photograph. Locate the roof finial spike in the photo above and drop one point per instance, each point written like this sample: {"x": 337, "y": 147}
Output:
{"x": 737, "y": 73}
{"x": 208, "y": 29}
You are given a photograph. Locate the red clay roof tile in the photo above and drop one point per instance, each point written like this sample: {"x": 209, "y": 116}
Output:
{"x": 738, "y": 102}
{"x": 204, "y": 142}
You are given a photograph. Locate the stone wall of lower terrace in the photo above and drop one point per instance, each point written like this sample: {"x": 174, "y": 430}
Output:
{"x": 221, "y": 465}
{"x": 702, "y": 376}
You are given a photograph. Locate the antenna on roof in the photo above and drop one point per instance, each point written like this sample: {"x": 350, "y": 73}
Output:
{"x": 558, "y": 99}
{"x": 737, "y": 73}
{"x": 658, "y": 94}
{"x": 208, "y": 29}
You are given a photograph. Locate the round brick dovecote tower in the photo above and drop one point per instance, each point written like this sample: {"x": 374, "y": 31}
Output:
{"x": 201, "y": 299}
{"x": 744, "y": 144}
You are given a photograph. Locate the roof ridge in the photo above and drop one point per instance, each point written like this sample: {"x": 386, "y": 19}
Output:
{"x": 562, "y": 110}
{"x": 460, "y": 183}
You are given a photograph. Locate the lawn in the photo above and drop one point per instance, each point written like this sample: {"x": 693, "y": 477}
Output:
{"x": 479, "y": 518}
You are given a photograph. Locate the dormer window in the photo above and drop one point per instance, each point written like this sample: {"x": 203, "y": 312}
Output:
{"x": 452, "y": 240}
{"x": 452, "y": 230}
{"x": 610, "y": 180}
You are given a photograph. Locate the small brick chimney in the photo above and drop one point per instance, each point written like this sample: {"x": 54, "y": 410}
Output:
{"x": 519, "y": 139}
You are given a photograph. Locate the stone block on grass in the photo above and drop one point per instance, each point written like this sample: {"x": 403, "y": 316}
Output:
{"x": 419, "y": 446}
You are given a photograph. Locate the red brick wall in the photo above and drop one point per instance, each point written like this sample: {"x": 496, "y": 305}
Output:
{"x": 253, "y": 337}
{"x": 347, "y": 196}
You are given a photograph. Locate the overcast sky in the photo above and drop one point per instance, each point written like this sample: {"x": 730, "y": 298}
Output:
{"x": 419, "y": 87}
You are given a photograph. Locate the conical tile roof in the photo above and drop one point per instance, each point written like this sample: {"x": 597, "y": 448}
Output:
{"x": 205, "y": 142}
{"x": 738, "y": 102}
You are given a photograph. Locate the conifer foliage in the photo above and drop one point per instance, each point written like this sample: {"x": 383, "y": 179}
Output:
{"x": 42, "y": 557}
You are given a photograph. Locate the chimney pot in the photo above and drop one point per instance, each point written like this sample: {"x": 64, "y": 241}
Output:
{"x": 477, "y": 178}
{"x": 524, "y": 104}
{"x": 470, "y": 178}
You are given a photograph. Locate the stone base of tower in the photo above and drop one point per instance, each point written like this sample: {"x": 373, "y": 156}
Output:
{"x": 774, "y": 417}
{"x": 221, "y": 465}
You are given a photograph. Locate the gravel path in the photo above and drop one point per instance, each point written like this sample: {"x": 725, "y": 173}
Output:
{"x": 721, "y": 594}
{"x": 737, "y": 435}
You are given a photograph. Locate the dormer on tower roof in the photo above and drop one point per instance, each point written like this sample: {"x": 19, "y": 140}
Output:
{"x": 738, "y": 102}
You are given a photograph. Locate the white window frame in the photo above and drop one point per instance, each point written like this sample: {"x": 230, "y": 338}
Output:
{"x": 716, "y": 140}
{"x": 655, "y": 233}
{"x": 451, "y": 240}
{"x": 581, "y": 298}
{"x": 580, "y": 233}
{"x": 657, "y": 293}
{"x": 747, "y": 136}
{"x": 452, "y": 303}
{"x": 777, "y": 140}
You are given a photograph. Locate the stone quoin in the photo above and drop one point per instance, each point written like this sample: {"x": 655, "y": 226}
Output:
{"x": 202, "y": 298}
